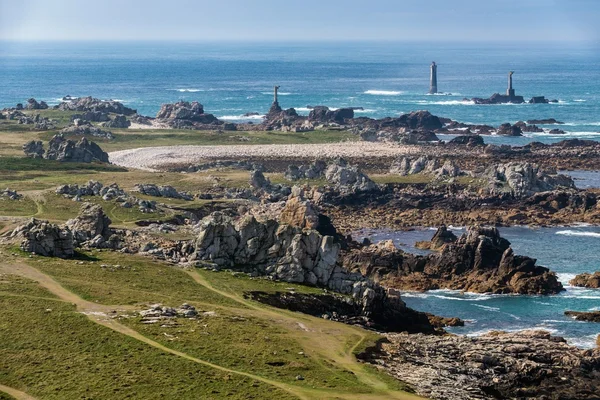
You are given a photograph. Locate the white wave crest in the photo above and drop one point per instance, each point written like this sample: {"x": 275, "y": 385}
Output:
{"x": 278, "y": 93}
{"x": 447, "y": 102}
{"x": 569, "y": 232}
{"x": 242, "y": 117}
{"x": 184, "y": 90}
{"x": 384, "y": 92}
{"x": 580, "y": 100}
{"x": 495, "y": 309}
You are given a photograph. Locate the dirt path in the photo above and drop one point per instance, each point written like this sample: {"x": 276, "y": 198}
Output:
{"x": 328, "y": 346}
{"x": 17, "y": 394}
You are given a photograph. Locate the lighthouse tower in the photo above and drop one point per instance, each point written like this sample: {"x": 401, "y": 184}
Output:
{"x": 433, "y": 79}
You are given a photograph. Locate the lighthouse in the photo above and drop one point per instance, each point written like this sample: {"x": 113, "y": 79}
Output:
{"x": 433, "y": 79}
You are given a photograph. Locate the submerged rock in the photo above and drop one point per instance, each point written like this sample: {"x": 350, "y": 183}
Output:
{"x": 587, "y": 280}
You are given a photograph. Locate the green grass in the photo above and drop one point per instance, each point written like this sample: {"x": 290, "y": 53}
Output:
{"x": 139, "y": 280}
{"x": 11, "y": 164}
{"x": 60, "y": 354}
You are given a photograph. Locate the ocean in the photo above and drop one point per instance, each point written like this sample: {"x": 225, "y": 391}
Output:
{"x": 386, "y": 79}
{"x": 566, "y": 250}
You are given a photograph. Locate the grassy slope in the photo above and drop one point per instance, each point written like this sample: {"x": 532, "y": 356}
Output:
{"x": 52, "y": 351}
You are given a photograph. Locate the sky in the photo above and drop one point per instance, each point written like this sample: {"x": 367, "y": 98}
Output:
{"x": 305, "y": 20}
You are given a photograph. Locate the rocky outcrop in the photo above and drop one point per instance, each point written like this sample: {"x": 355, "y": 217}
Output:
{"x": 347, "y": 178}
{"x": 290, "y": 254}
{"x": 406, "y": 166}
{"x": 108, "y": 193}
{"x": 81, "y": 127}
{"x": 509, "y": 130}
{"x": 91, "y": 222}
{"x": 323, "y": 115}
{"x": 467, "y": 140}
{"x": 441, "y": 238}
{"x": 343, "y": 309}
{"x": 92, "y": 116}
{"x": 34, "y": 149}
{"x": 45, "y": 239}
{"x": 496, "y": 365}
{"x": 300, "y": 213}
{"x": 524, "y": 179}
{"x": 184, "y": 114}
{"x": 286, "y": 120}
{"x": 32, "y": 104}
{"x": 118, "y": 122}
{"x": 587, "y": 280}
{"x": 588, "y": 316}
{"x": 479, "y": 261}
{"x": 95, "y": 105}
{"x": 151, "y": 189}
{"x": 10, "y": 194}
{"x": 422, "y": 120}
{"x": 546, "y": 121}
{"x": 314, "y": 170}
{"x": 83, "y": 151}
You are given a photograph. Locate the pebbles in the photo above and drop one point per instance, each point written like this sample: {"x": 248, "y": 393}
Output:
{"x": 153, "y": 158}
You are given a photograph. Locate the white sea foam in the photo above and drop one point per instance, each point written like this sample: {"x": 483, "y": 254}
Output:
{"x": 586, "y": 342}
{"x": 242, "y": 117}
{"x": 190, "y": 90}
{"x": 384, "y": 92}
{"x": 580, "y": 100}
{"x": 569, "y": 232}
{"x": 564, "y": 278}
{"x": 366, "y": 110}
{"x": 447, "y": 102}
{"x": 279, "y": 93}
{"x": 495, "y": 309}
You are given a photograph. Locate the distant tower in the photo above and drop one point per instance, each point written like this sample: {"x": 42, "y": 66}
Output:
{"x": 275, "y": 95}
{"x": 510, "y": 92}
{"x": 433, "y": 79}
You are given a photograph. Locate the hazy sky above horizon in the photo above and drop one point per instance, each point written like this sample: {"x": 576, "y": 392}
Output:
{"x": 280, "y": 20}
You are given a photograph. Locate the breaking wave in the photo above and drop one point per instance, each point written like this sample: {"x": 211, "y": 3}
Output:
{"x": 384, "y": 92}
{"x": 578, "y": 233}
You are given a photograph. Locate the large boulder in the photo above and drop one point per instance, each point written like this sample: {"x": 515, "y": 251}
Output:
{"x": 314, "y": 170}
{"x": 347, "y": 178}
{"x": 509, "y": 130}
{"x": 150, "y": 189}
{"x": 34, "y": 149}
{"x": 467, "y": 140}
{"x": 524, "y": 179}
{"x": 91, "y": 222}
{"x": 32, "y": 104}
{"x": 45, "y": 239}
{"x": 61, "y": 149}
{"x": 184, "y": 113}
{"x": 300, "y": 213}
{"x": 322, "y": 114}
{"x": 422, "y": 120}
{"x": 96, "y": 105}
{"x": 118, "y": 122}
{"x": 92, "y": 116}
{"x": 587, "y": 280}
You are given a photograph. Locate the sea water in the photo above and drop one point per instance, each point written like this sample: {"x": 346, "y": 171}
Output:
{"x": 566, "y": 250}
{"x": 386, "y": 79}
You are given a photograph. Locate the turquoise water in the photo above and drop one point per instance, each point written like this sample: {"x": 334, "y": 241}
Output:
{"x": 566, "y": 250}
{"x": 387, "y": 79}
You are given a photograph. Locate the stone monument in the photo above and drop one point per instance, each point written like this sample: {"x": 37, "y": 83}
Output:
{"x": 510, "y": 92}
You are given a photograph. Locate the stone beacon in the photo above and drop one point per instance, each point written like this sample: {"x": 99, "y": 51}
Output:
{"x": 275, "y": 100}
{"x": 510, "y": 92}
{"x": 433, "y": 79}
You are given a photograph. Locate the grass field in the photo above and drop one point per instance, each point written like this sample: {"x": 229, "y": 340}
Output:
{"x": 58, "y": 340}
